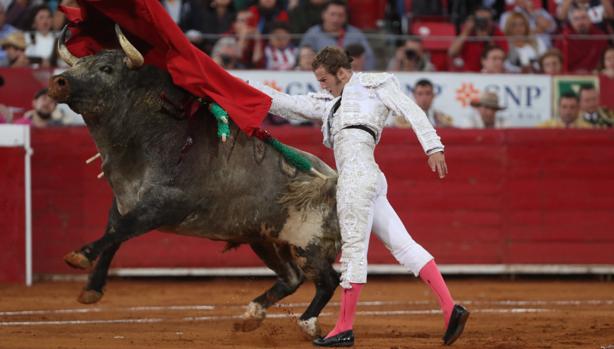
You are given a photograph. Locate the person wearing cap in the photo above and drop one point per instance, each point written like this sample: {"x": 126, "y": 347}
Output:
{"x": 487, "y": 106}
{"x": 15, "y": 47}
{"x": 45, "y": 112}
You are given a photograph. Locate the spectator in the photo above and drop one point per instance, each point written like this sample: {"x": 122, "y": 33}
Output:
{"x": 265, "y": 13}
{"x": 306, "y": 15}
{"x": 590, "y": 110}
{"x": 460, "y": 10}
{"x": 247, "y": 38}
{"x": 5, "y": 30}
{"x": 410, "y": 57}
{"x": 44, "y": 114}
{"x": 14, "y": 45}
{"x": 493, "y": 59}
{"x": 357, "y": 52}
{"x": 280, "y": 53}
{"x": 188, "y": 14}
{"x": 478, "y": 32}
{"x": 41, "y": 40}
{"x": 487, "y": 107}
{"x": 607, "y": 63}
{"x": 218, "y": 17}
{"x": 568, "y": 114}
{"x": 334, "y": 31}
{"x": 599, "y": 11}
{"x": 17, "y": 14}
{"x": 581, "y": 55}
{"x": 524, "y": 48}
{"x": 227, "y": 53}
{"x": 306, "y": 54}
{"x": 424, "y": 94}
{"x": 551, "y": 62}
{"x": 540, "y": 21}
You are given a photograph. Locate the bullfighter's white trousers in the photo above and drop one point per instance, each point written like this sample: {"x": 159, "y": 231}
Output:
{"x": 362, "y": 206}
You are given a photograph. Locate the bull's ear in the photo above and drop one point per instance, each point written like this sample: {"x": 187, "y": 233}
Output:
{"x": 68, "y": 57}
{"x": 134, "y": 59}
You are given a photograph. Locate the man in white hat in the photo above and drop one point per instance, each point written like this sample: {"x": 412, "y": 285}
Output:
{"x": 487, "y": 106}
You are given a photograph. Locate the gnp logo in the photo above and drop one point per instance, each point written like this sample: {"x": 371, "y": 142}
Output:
{"x": 466, "y": 93}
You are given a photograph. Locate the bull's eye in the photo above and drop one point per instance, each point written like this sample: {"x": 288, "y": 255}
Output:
{"x": 106, "y": 69}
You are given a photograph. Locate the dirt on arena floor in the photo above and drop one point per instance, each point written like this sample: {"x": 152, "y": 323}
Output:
{"x": 394, "y": 313}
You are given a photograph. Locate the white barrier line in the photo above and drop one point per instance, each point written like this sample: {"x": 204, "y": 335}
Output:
{"x": 83, "y": 322}
{"x": 172, "y": 307}
{"x": 99, "y": 310}
{"x": 291, "y": 305}
{"x": 468, "y": 302}
{"x": 272, "y": 316}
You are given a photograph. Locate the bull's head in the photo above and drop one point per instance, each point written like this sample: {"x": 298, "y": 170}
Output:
{"x": 94, "y": 81}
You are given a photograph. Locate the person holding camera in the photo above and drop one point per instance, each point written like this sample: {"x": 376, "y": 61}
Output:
{"x": 478, "y": 31}
{"x": 410, "y": 57}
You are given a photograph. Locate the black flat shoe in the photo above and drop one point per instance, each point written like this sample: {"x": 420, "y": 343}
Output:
{"x": 456, "y": 325}
{"x": 343, "y": 339}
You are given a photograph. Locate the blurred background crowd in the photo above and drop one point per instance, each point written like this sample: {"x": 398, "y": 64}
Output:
{"x": 489, "y": 36}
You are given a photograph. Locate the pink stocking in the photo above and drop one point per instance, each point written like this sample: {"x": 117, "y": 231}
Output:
{"x": 431, "y": 276}
{"x": 347, "y": 311}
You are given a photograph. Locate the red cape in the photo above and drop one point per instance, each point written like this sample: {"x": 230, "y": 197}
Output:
{"x": 152, "y": 31}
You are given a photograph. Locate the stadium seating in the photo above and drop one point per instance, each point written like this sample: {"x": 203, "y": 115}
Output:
{"x": 437, "y": 47}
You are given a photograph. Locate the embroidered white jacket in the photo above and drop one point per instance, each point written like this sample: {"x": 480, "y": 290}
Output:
{"x": 367, "y": 99}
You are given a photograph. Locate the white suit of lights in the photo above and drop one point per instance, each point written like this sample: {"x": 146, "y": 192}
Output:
{"x": 366, "y": 101}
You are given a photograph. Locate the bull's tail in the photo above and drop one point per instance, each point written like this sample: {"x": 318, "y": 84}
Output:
{"x": 312, "y": 193}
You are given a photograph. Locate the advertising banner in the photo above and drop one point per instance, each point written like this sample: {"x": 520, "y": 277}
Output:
{"x": 527, "y": 98}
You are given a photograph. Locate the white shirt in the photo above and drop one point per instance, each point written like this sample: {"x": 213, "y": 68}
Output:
{"x": 173, "y": 7}
{"x": 39, "y": 45}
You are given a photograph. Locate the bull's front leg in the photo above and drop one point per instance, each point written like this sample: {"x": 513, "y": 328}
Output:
{"x": 97, "y": 280}
{"x": 160, "y": 206}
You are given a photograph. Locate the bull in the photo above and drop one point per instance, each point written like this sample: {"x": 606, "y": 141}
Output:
{"x": 170, "y": 173}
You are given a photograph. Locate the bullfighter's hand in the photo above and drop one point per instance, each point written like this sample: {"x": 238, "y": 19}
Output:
{"x": 437, "y": 162}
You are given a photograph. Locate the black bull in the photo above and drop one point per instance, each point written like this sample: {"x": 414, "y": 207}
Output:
{"x": 171, "y": 173}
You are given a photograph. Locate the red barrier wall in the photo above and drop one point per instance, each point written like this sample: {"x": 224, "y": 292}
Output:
{"x": 12, "y": 215}
{"x": 512, "y": 196}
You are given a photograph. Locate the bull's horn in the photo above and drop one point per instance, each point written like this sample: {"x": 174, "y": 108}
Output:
{"x": 135, "y": 58}
{"x": 68, "y": 57}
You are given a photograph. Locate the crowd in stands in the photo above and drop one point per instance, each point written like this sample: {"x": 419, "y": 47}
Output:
{"x": 488, "y": 36}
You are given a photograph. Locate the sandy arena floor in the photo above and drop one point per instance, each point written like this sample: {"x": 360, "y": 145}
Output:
{"x": 395, "y": 313}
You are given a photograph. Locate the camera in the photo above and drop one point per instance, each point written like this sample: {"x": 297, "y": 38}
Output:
{"x": 412, "y": 55}
{"x": 481, "y": 23}
{"x": 226, "y": 59}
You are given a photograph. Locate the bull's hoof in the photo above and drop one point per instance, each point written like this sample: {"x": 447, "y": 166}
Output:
{"x": 89, "y": 297}
{"x": 247, "y": 325}
{"x": 251, "y": 319}
{"x": 77, "y": 260}
{"x": 311, "y": 328}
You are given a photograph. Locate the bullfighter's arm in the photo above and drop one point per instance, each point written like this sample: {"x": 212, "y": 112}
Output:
{"x": 393, "y": 97}
{"x": 312, "y": 106}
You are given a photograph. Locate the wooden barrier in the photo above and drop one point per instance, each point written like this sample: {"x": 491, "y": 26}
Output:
{"x": 522, "y": 196}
